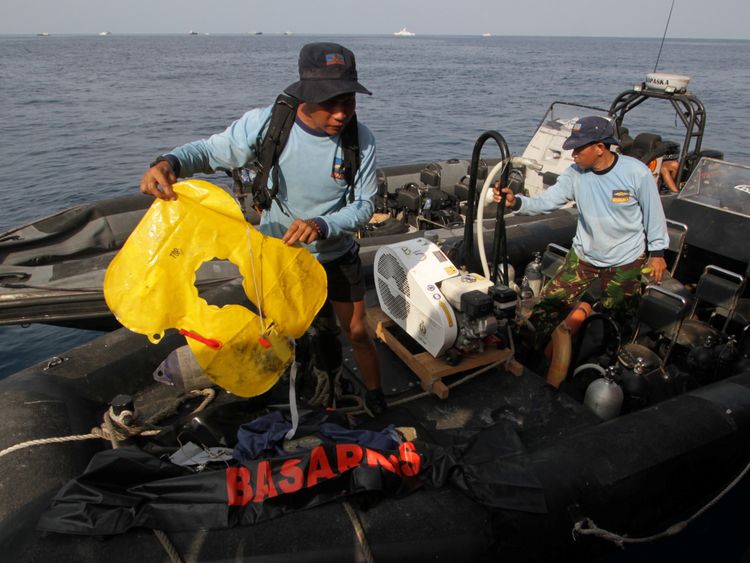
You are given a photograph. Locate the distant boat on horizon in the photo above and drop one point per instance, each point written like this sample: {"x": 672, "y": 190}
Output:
{"x": 105, "y": 33}
{"x": 486, "y": 35}
{"x": 43, "y": 34}
{"x": 403, "y": 32}
{"x": 193, "y": 32}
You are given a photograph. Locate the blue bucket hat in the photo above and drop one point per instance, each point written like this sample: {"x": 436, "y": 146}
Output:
{"x": 591, "y": 129}
{"x": 326, "y": 70}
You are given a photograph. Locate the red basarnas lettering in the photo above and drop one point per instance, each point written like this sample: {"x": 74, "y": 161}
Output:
{"x": 375, "y": 459}
{"x": 292, "y": 477}
{"x": 319, "y": 469}
{"x": 239, "y": 492}
{"x": 411, "y": 461}
{"x": 295, "y": 477}
{"x": 264, "y": 487}
{"x": 348, "y": 456}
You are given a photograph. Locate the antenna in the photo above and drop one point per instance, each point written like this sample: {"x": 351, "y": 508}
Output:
{"x": 666, "y": 27}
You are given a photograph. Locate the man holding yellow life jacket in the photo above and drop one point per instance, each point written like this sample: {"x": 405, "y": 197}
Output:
{"x": 318, "y": 190}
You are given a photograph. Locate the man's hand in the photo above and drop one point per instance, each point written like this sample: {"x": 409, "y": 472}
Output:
{"x": 656, "y": 267}
{"x": 158, "y": 180}
{"x": 300, "y": 231}
{"x": 510, "y": 198}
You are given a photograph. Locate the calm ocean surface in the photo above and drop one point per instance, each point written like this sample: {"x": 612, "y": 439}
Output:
{"x": 82, "y": 116}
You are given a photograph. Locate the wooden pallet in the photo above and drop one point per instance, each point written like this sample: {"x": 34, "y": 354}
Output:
{"x": 430, "y": 370}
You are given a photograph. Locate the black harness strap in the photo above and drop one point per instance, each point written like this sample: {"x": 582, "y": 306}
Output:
{"x": 270, "y": 146}
{"x": 350, "y": 147}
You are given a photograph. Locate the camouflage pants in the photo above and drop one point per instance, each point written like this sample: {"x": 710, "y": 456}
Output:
{"x": 620, "y": 289}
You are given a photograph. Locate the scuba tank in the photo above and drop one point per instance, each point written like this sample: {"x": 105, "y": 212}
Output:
{"x": 533, "y": 274}
{"x": 604, "y": 396}
{"x": 181, "y": 370}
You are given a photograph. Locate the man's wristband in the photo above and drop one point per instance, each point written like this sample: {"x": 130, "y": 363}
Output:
{"x": 320, "y": 226}
{"x": 173, "y": 161}
{"x": 656, "y": 254}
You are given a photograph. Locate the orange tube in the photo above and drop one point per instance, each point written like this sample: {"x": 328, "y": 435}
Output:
{"x": 572, "y": 322}
{"x": 560, "y": 346}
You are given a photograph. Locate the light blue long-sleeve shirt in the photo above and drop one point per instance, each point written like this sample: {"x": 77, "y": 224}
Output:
{"x": 619, "y": 211}
{"x": 311, "y": 183}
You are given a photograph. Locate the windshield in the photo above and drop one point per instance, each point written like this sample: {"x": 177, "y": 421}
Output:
{"x": 562, "y": 116}
{"x": 719, "y": 184}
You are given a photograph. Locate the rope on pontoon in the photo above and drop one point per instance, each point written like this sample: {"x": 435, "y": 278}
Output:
{"x": 587, "y": 527}
{"x": 359, "y": 531}
{"x": 168, "y": 546}
{"x": 115, "y": 428}
{"x": 208, "y": 394}
{"x": 109, "y": 430}
{"x": 43, "y": 441}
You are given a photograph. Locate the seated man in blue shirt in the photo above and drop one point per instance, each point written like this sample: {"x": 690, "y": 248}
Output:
{"x": 620, "y": 217}
{"x": 313, "y": 205}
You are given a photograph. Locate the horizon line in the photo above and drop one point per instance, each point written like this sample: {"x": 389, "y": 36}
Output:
{"x": 391, "y": 34}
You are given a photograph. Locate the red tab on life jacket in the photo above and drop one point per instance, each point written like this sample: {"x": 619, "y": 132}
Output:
{"x": 210, "y": 342}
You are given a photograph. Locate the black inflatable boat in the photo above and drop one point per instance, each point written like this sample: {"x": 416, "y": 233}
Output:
{"x": 508, "y": 467}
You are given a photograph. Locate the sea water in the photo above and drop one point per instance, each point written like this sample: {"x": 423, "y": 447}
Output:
{"x": 82, "y": 116}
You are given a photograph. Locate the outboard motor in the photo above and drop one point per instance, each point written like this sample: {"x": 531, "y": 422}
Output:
{"x": 427, "y": 207}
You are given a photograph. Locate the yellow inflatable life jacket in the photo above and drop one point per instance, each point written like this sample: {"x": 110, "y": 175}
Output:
{"x": 150, "y": 287}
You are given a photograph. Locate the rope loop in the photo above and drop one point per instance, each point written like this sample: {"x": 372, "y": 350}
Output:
{"x": 115, "y": 428}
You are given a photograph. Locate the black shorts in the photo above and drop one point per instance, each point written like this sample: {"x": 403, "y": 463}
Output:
{"x": 345, "y": 281}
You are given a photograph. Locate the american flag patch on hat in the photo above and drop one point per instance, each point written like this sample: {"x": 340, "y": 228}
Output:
{"x": 335, "y": 59}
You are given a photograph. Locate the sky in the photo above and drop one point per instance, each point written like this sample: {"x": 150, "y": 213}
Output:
{"x": 725, "y": 19}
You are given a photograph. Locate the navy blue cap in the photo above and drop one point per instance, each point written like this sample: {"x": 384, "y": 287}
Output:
{"x": 591, "y": 129}
{"x": 326, "y": 70}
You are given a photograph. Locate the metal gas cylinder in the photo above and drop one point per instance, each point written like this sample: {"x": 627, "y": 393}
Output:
{"x": 182, "y": 370}
{"x": 604, "y": 396}
{"x": 533, "y": 274}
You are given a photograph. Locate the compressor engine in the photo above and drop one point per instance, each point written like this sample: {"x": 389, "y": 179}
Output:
{"x": 431, "y": 300}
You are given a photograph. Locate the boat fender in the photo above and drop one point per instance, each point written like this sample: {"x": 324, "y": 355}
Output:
{"x": 560, "y": 345}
